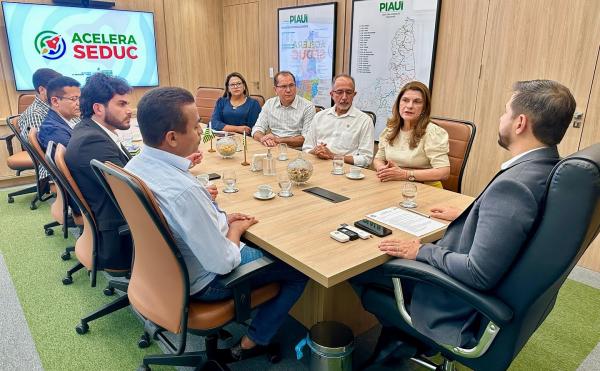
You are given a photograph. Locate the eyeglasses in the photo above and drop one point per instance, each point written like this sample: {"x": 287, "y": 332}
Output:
{"x": 286, "y": 87}
{"x": 235, "y": 85}
{"x": 72, "y": 99}
{"x": 341, "y": 92}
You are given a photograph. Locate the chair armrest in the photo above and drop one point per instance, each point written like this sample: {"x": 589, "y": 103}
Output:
{"x": 492, "y": 308}
{"x": 238, "y": 282}
{"x": 244, "y": 272}
{"x": 124, "y": 230}
{"x": 8, "y": 139}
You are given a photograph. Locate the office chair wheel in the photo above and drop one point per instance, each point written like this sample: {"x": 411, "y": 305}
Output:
{"x": 67, "y": 280}
{"x": 274, "y": 353}
{"x": 144, "y": 368}
{"x": 32, "y": 206}
{"x": 109, "y": 291}
{"x": 11, "y": 199}
{"x": 65, "y": 255}
{"x": 82, "y": 328}
{"x": 49, "y": 232}
{"x": 144, "y": 341}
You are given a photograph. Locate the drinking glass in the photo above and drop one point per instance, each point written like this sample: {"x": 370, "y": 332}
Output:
{"x": 285, "y": 184}
{"x": 282, "y": 152}
{"x": 203, "y": 179}
{"x": 229, "y": 180}
{"x": 409, "y": 195}
{"x": 338, "y": 164}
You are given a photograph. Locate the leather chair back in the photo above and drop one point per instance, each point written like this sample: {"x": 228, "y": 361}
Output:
{"x": 59, "y": 206}
{"x": 206, "y": 98}
{"x": 86, "y": 244}
{"x": 372, "y": 115}
{"x": 461, "y": 135}
{"x": 24, "y": 101}
{"x": 159, "y": 288}
{"x": 259, "y": 98}
{"x": 568, "y": 224}
{"x": 319, "y": 108}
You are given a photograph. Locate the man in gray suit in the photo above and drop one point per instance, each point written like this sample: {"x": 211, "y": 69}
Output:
{"x": 481, "y": 243}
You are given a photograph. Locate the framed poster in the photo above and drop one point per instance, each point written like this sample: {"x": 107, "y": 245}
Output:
{"x": 307, "y": 48}
{"x": 393, "y": 42}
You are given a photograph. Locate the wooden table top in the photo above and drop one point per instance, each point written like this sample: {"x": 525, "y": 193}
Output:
{"x": 296, "y": 229}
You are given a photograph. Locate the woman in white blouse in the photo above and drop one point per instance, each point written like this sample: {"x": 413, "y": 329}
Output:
{"x": 412, "y": 148}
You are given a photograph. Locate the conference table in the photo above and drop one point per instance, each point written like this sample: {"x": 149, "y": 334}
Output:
{"x": 296, "y": 229}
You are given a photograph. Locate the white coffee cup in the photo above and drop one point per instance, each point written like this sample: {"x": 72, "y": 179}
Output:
{"x": 264, "y": 190}
{"x": 355, "y": 171}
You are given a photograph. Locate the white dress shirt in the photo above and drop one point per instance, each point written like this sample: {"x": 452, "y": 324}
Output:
{"x": 197, "y": 223}
{"x": 349, "y": 134}
{"x": 285, "y": 122}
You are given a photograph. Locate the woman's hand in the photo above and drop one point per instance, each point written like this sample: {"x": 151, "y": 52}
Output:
{"x": 405, "y": 249}
{"x": 391, "y": 171}
{"x": 243, "y": 129}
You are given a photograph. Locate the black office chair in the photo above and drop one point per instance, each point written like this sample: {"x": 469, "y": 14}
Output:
{"x": 372, "y": 115}
{"x": 515, "y": 308}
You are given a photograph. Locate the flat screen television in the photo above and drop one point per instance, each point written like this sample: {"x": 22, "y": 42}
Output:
{"x": 79, "y": 42}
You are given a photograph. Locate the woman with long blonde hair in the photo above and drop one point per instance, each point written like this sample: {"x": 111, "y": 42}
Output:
{"x": 411, "y": 147}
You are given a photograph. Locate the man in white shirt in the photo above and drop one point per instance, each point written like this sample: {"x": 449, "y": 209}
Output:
{"x": 287, "y": 116}
{"x": 342, "y": 129}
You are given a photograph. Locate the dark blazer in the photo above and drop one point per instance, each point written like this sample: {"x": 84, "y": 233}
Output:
{"x": 54, "y": 128}
{"x": 89, "y": 141}
{"x": 480, "y": 246}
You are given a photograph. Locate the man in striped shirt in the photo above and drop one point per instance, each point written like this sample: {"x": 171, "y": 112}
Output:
{"x": 35, "y": 114}
{"x": 288, "y": 116}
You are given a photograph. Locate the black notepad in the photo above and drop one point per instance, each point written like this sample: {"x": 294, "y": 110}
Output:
{"x": 325, "y": 194}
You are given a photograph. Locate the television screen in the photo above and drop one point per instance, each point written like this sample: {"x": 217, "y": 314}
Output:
{"x": 79, "y": 42}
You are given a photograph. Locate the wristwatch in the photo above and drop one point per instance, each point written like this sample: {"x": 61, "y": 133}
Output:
{"x": 411, "y": 176}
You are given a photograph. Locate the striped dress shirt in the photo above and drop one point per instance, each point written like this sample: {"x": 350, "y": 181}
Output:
{"x": 284, "y": 122}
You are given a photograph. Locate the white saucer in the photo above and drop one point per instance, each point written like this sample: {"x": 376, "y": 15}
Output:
{"x": 350, "y": 176}
{"x": 258, "y": 196}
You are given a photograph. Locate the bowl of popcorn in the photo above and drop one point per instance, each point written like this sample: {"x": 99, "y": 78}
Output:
{"x": 299, "y": 170}
{"x": 226, "y": 146}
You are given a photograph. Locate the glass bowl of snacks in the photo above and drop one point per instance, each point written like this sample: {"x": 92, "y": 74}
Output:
{"x": 299, "y": 170}
{"x": 226, "y": 146}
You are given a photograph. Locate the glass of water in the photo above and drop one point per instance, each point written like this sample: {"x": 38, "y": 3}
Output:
{"x": 409, "y": 195}
{"x": 203, "y": 179}
{"x": 338, "y": 165}
{"x": 229, "y": 179}
{"x": 282, "y": 152}
{"x": 285, "y": 184}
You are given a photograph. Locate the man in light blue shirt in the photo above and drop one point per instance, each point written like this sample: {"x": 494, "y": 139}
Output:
{"x": 208, "y": 238}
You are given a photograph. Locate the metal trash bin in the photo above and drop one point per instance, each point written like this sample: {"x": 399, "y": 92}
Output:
{"x": 331, "y": 345}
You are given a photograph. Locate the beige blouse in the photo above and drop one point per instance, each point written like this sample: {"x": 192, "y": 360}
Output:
{"x": 431, "y": 152}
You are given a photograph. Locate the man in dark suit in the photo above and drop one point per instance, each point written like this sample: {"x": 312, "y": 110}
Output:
{"x": 63, "y": 97}
{"x": 105, "y": 109}
{"x": 481, "y": 243}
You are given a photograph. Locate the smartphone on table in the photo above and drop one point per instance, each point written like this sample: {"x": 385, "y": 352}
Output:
{"x": 373, "y": 228}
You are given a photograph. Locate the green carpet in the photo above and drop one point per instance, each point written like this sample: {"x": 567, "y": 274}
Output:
{"x": 53, "y": 310}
